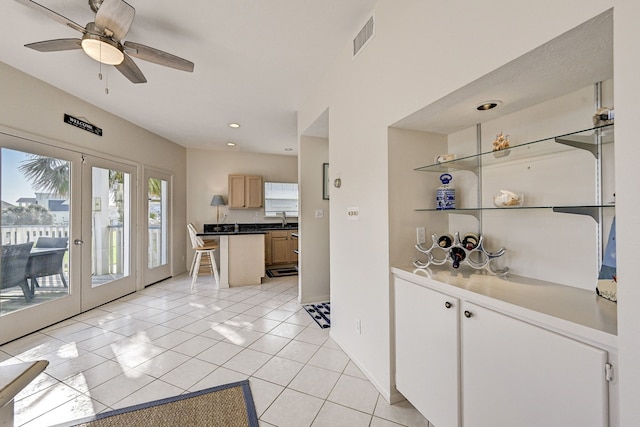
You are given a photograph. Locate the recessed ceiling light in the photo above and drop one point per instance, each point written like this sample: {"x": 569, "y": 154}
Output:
{"x": 234, "y": 125}
{"x": 231, "y": 144}
{"x": 488, "y": 105}
{"x": 288, "y": 149}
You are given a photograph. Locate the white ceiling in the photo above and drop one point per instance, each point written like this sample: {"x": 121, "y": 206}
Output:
{"x": 255, "y": 61}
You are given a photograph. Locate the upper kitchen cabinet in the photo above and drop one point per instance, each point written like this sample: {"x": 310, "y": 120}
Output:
{"x": 245, "y": 191}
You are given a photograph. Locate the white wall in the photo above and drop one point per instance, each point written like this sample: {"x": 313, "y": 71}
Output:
{"x": 36, "y": 108}
{"x": 416, "y": 57}
{"x": 626, "y": 55}
{"x": 314, "y": 232}
{"x": 409, "y": 149}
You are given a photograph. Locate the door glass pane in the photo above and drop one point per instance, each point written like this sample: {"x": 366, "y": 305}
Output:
{"x": 158, "y": 224}
{"x": 110, "y": 226}
{"x": 35, "y": 229}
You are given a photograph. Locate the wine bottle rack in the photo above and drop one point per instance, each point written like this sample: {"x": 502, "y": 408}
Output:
{"x": 477, "y": 258}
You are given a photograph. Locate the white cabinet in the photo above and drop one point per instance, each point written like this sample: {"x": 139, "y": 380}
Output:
{"x": 427, "y": 352}
{"x": 516, "y": 374}
{"x": 462, "y": 364}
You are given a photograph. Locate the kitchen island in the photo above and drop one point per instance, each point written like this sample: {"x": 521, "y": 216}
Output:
{"x": 242, "y": 252}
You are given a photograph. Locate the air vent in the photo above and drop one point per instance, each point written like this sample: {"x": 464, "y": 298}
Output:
{"x": 363, "y": 36}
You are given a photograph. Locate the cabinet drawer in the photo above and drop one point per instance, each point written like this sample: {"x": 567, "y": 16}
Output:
{"x": 279, "y": 233}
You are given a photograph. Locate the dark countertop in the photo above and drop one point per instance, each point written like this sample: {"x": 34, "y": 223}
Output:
{"x": 262, "y": 228}
{"x": 231, "y": 233}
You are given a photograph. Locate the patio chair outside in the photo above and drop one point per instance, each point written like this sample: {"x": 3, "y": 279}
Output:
{"x": 13, "y": 268}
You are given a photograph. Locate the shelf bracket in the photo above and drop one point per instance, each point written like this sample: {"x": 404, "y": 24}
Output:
{"x": 581, "y": 142}
{"x": 592, "y": 211}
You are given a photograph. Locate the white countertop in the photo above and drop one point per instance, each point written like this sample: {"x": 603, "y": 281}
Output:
{"x": 572, "y": 310}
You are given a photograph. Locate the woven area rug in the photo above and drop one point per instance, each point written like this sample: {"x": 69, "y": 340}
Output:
{"x": 321, "y": 313}
{"x": 229, "y": 405}
{"x": 283, "y": 271}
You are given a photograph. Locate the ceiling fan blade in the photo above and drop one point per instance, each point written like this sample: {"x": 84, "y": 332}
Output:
{"x": 115, "y": 16}
{"x": 55, "y": 45}
{"x": 156, "y": 56}
{"x": 54, "y": 15}
{"x": 130, "y": 70}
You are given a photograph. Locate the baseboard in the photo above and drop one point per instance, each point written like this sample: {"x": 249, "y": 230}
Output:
{"x": 391, "y": 397}
{"x": 315, "y": 300}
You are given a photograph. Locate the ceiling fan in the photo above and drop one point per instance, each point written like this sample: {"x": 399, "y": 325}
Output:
{"x": 102, "y": 39}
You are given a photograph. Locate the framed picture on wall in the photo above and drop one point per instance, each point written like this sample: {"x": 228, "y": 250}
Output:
{"x": 325, "y": 181}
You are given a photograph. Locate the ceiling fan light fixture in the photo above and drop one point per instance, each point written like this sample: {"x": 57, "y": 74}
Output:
{"x": 102, "y": 50}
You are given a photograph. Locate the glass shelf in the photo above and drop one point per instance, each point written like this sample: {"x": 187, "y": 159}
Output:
{"x": 590, "y": 210}
{"x": 583, "y": 139}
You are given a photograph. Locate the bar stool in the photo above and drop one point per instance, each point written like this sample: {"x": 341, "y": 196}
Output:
{"x": 202, "y": 248}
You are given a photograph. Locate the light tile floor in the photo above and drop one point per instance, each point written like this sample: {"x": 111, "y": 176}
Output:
{"x": 168, "y": 339}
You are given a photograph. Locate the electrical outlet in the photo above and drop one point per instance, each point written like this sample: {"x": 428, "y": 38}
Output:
{"x": 358, "y": 327}
{"x": 319, "y": 213}
{"x": 353, "y": 213}
{"x": 421, "y": 235}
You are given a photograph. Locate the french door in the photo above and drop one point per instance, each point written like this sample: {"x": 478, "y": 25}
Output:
{"x": 41, "y": 216}
{"x": 108, "y": 231}
{"x": 157, "y": 218}
{"x": 68, "y": 235}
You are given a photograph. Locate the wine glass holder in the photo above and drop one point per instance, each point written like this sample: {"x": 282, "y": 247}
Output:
{"x": 458, "y": 254}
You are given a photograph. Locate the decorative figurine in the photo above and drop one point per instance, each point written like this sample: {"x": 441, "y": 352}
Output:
{"x": 507, "y": 198}
{"x": 501, "y": 142}
{"x": 603, "y": 116}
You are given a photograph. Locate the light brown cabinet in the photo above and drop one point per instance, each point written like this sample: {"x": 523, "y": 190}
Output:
{"x": 245, "y": 191}
{"x": 280, "y": 247}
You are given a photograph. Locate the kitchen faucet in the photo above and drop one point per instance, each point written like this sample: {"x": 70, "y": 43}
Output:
{"x": 284, "y": 218}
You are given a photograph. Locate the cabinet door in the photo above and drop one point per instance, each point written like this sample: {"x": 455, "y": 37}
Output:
{"x": 268, "y": 259}
{"x": 517, "y": 374}
{"x": 427, "y": 352}
{"x": 236, "y": 191}
{"x": 280, "y": 247}
{"x": 253, "y": 192}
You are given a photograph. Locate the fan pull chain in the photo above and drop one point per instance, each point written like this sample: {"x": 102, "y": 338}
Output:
{"x": 106, "y": 81}
{"x": 100, "y": 64}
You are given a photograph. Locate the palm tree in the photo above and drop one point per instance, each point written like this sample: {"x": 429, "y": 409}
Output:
{"x": 47, "y": 174}
{"x": 51, "y": 175}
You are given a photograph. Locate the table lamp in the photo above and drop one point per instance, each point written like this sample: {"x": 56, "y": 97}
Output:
{"x": 217, "y": 201}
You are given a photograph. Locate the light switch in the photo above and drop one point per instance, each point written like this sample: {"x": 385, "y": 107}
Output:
{"x": 353, "y": 213}
{"x": 319, "y": 213}
{"x": 421, "y": 235}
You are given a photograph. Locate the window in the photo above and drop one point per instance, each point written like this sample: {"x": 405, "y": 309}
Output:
{"x": 280, "y": 197}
